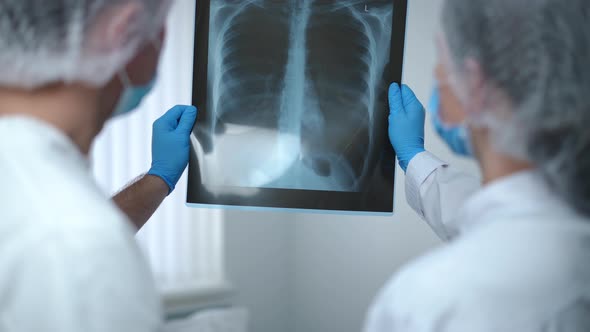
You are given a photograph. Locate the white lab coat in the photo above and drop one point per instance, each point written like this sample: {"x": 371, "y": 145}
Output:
{"x": 68, "y": 258}
{"x": 519, "y": 259}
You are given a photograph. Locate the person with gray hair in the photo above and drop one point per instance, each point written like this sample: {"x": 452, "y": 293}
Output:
{"x": 513, "y": 92}
{"x": 69, "y": 258}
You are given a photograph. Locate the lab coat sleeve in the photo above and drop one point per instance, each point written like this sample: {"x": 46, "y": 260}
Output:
{"x": 437, "y": 191}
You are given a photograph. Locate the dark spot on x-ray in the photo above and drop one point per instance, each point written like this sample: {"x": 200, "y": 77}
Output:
{"x": 319, "y": 165}
{"x": 205, "y": 140}
{"x": 573, "y": 318}
{"x": 220, "y": 128}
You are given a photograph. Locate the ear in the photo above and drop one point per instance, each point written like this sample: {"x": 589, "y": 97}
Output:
{"x": 474, "y": 79}
{"x": 143, "y": 66}
{"x": 110, "y": 30}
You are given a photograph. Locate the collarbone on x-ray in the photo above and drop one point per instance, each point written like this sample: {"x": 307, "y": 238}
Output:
{"x": 295, "y": 88}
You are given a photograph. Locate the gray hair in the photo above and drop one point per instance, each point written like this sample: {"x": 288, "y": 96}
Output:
{"x": 537, "y": 52}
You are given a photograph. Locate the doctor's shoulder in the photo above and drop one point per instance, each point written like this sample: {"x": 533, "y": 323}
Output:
{"x": 76, "y": 260}
{"x": 420, "y": 290}
{"x": 534, "y": 272}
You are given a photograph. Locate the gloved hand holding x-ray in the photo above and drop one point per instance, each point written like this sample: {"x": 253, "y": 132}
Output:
{"x": 295, "y": 103}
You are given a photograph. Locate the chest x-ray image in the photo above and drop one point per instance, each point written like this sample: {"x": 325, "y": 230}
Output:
{"x": 293, "y": 103}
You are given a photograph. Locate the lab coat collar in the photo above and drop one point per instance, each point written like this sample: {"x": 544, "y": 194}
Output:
{"x": 30, "y": 132}
{"x": 524, "y": 194}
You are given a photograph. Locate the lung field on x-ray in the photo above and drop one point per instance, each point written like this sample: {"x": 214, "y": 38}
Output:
{"x": 293, "y": 91}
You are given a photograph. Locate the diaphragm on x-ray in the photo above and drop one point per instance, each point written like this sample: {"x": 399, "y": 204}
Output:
{"x": 293, "y": 103}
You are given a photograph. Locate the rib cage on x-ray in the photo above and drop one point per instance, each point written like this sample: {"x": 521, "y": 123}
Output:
{"x": 293, "y": 90}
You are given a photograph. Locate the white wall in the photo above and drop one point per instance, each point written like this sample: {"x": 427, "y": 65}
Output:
{"x": 259, "y": 265}
{"x": 310, "y": 273}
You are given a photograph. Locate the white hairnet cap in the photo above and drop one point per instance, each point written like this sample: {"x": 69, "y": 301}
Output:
{"x": 536, "y": 53}
{"x": 51, "y": 41}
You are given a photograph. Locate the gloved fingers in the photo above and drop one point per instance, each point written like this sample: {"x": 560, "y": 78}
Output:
{"x": 395, "y": 99}
{"x": 409, "y": 98}
{"x": 391, "y": 125}
{"x": 187, "y": 120}
{"x": 171, "y": 118}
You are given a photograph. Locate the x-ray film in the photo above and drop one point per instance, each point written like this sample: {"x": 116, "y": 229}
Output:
{"x": 292, "y": 99}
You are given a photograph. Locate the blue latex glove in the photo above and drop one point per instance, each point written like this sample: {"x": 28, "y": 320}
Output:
{"x": 406, "y": 124}
{"x": 171, "y": 144}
